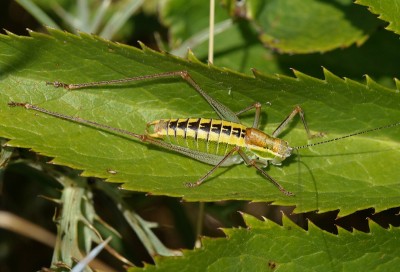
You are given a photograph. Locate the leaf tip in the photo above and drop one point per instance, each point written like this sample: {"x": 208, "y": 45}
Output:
{"x": 142, "y": 45}
{"x": 9, "y": 33}
{"x": 192, "y": 57}
{"x": 329, "y": 76}
{"x": 257, "y": 73}
{"x": 297, "y": 74}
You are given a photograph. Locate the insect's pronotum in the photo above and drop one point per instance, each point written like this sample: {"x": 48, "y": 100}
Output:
{"x": 219, "y": 142}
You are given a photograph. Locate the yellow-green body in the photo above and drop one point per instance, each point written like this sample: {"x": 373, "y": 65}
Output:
{"x": 213, "y": 139}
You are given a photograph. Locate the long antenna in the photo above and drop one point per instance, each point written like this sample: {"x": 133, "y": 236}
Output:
{"x": 347, "y": 136}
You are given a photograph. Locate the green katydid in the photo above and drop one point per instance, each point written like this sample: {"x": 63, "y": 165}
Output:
{"x": 219, "y": 142}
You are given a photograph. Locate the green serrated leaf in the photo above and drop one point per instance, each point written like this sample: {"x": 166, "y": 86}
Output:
{"x": 266, "y": 246}
{"x": 349, "y": 175}
{"x": 388, "y": 10}
{"x": 306, "y": 26}
{"x": 377, "y": 56}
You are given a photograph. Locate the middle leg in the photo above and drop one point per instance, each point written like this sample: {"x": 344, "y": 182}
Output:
{"x": 297, "y": 110}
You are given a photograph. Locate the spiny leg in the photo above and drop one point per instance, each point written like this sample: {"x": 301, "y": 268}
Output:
{"x": 297, "y": 110}
{"x": 257, "y": 106}
{"x": 142, "y": 137}
{"x": 75, "y": 119}
{"x": 222, "y": 111}
{"x": 200, "y": 180}
{"x": 253, "y": 163}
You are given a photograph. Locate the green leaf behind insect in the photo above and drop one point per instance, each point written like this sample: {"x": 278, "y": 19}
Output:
{"x": 349, "y": 175}
{"x": 387, "y": 10}
{"x": 306, "y": 26}
{"x": 266, "y": 246}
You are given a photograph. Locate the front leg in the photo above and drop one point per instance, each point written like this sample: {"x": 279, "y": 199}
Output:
{"x": 254, "y": 163}
{"x": 297, "y": 110}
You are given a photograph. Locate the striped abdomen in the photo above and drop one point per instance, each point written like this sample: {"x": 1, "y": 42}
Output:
{"x": 211, "y": 136}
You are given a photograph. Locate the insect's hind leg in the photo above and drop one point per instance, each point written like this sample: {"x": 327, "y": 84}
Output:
{"x": 297, "y": 110}
{"x": 223, "y": 111}
{"x": 76, "y": 119}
